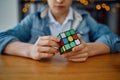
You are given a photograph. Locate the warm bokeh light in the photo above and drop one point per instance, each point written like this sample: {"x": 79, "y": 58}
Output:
{"x": 92, "y": 1}
{"x": 107, "y": 8}
{"x": 118, "y": 5}
{"x": 32, "y": 0}
{"x": 82, "y": 1}
{"x": 98, "y": 7}
{"x": 103, "y": 5}
{"x": 113, "y": 10}
{"x": 26, "y": 5}
{"x": 86, "y": 3}
{"x": 24, "y": 10}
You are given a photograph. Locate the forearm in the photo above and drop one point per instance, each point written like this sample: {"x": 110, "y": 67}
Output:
{"x": 98, "y": 49}
{"x": 18, "y": 49}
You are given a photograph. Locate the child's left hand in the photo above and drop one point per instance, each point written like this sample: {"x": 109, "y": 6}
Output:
{"x": 78, "y": 53}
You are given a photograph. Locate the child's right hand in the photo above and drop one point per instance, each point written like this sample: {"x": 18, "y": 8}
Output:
{"x": 45, "y": 47}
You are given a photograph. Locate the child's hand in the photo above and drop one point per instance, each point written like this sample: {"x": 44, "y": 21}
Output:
{"x": 45, "y": 47}
{"x": 78, "y": 53}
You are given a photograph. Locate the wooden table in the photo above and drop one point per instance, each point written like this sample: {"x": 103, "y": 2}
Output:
{"x": 105, "y": 67}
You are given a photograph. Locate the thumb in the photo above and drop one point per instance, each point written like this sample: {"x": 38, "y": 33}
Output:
{"x": 80, "y": 38}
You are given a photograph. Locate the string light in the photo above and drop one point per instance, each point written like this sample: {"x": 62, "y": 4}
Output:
{"x": 113, "y": 10}
{"x": 107, "y": 8}
{"x": 24, "y": 10}
{"x": 103, "y": 5}
{"x": 98, "y": 7}
{"x": 27, "y": 5}
{"x": 92, "y": 1}
{"x": 118, "y": 5}
{"x": 84, "y": 2}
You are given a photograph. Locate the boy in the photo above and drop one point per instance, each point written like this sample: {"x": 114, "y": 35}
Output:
{"x": 34, "y": 37}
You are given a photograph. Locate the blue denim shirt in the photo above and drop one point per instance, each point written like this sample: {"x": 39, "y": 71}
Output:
{"x": 36, "y": 24}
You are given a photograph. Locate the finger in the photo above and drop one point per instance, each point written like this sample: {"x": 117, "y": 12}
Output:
{"x": 79, "y": 47}
{"x": 47, "y": 43}
{"x": 80, "y": 37}
{"x": 50, "y": 38}
{"x": 39, "y": 56}
{"x": 78, "y": 60}
{"x": 71, "y": 53}
{"x": 48, "y": 49}
{"x": 83, "y": 55}
{"x": 46, "y": 55}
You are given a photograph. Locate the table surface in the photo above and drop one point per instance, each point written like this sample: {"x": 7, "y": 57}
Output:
{"x": 104, "y": 67}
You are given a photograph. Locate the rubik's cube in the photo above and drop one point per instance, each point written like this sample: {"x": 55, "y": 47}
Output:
{"x": 68, "y": 40}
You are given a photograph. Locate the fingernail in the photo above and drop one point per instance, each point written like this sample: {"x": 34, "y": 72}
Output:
{"x": 73, "y": 49}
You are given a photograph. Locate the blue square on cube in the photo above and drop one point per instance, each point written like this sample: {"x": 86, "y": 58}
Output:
{"x": 65, "y": 40}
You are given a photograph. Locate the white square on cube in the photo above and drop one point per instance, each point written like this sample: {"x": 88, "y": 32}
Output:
{"x": 77, "y": 42}
{"x": 63, "y": 35}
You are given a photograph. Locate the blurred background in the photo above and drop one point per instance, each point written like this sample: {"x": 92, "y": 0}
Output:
{"x": 103, "y": 11}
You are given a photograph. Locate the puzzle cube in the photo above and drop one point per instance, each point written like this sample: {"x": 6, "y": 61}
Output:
{"x": 68, "y": 40}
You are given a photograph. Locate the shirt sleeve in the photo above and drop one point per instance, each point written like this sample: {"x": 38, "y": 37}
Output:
{"x": 101, "y": 33}
{"x": 21, "y": 32}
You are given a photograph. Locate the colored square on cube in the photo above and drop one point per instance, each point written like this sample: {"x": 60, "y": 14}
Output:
{"x": 68, "y": 40}
{"x": 61, "y": 43}
{"x": 65, "y": 40}
{"x": 67, "y": 46}
{"x": 61, "y": 50}
{"x": 75, "y": 36}
{"x": 67, "y": 33}
{"x": 77, "y": 42}
{"x": 72, "y": 31}
{"x": 63, "y": 35}
{"x": 72, "y": 44}
{"x": 59, "y": 36}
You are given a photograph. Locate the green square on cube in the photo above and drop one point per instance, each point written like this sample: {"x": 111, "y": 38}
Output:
{"x": 59, "y": 36}
{"x": 72, "y": 44}
{"x": 67, "y": 46}
{"x": 72, "y": 31}
{"x": 61, "y": 50}
{"x": 67, "y": 33}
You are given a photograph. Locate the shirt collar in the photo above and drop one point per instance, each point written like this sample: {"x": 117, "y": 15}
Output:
{"x": 69, "y": 17}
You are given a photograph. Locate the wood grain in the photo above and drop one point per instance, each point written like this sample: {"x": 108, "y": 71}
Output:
{"x": 105, "y": 67}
